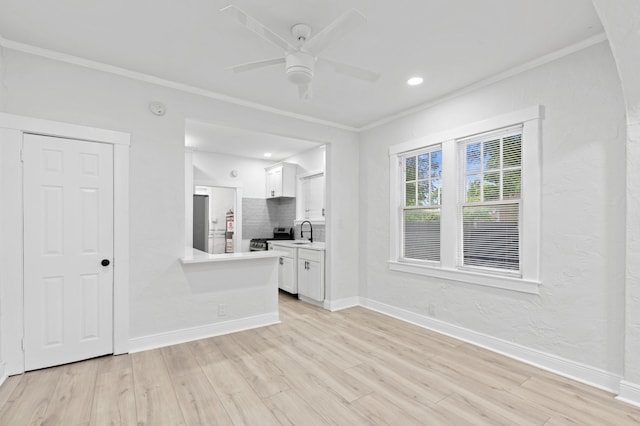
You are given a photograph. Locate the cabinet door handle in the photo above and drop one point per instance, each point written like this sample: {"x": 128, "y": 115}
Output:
{"x": 323, "y": 212}
{"x": 273, "y": 192}
{"x": 281, "y": 261}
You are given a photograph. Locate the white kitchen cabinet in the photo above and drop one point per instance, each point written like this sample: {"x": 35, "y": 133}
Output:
{"x": 312, "y": 198}
{"x": 287, "y": 275}
{"x": 287, "y": 268}
{"x": 311, "y": 274}
{"x": 281, "y": 180}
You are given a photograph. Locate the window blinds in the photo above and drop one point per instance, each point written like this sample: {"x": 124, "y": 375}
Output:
{"x": 490, "y": 198}
{"x": 422, "y": 177}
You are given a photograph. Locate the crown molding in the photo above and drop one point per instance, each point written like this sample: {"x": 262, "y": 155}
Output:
{"x": 542, "y": 60}
{"x": 151, "y": 79}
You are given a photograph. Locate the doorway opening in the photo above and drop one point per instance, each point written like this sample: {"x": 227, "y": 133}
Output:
{"x": 214, "y": 225}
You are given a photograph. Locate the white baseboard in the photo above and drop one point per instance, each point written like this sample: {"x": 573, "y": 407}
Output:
{"x": 574, "y": 370}
{"x": 175, "y": 337}
{"x": 3, "y": 374}
{"x": 310, "y": 301}
{"x": 629, "y": 393}
{"x": 339, "y": 304}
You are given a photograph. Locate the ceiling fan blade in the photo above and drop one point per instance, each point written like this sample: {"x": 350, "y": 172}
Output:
{"x": 335, "y": 30}
{"x": 350, "y": 70}
{"x": 304, "y": 91}
{"x": 254, "y": 25}
{"x": 257, "y": 64}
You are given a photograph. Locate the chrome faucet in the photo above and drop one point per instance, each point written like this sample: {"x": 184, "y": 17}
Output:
{"x": 310, "y": 229}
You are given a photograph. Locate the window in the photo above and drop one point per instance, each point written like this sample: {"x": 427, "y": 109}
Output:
{"x": 421, "y": 211}
{"x": 489, "y": 205}
{"x": 465, "y": 204}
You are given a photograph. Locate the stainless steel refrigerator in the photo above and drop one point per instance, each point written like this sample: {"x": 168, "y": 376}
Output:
{"x": 201, "y": 222}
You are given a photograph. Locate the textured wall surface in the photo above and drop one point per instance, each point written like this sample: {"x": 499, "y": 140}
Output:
{"x": 579, "y": 313}
{"x": 621, "y": 20}
{"x": 161, "y": 299}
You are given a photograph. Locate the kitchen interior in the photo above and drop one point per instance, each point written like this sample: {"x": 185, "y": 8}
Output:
{"x": 253, "y": 192}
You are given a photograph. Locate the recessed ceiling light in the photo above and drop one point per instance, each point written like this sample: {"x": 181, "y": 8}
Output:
{"x": 267, "y": 154}
{"x": 414, "y": 81}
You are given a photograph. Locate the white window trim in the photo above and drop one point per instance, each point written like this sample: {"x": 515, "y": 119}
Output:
{"x": 529, "y": 281}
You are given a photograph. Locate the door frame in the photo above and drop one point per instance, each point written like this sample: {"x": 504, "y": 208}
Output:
{"x": 12, "y": 129}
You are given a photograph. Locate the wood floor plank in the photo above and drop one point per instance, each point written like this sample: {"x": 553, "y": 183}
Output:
{"x": 475, "y": 411}
{"x": 240, "y": 401}
{"x": 264, "y": 378}
{"x": 7, "y": 389}
{"x": 352, "y": 367}
{"x": 324, "y": 398}
{"x": 417, "y": 373}
{"x": 380, "y": 378}
{"x": 290, "y": 409}
{"x": 30, "y": 399}
{"x": 378, "y": 410}
{"x": 73, "y": 397}
{"x": 114, "y": 400}
{"x": 156, "y": 401}
{"x": 206, "y": 350}
{"x": 412, "y": 399}
{"x": 199, "y": 402}
{"x": 585, "y": 406}
{"x": 180, "y": 360}
{"x": 344, "y": 384}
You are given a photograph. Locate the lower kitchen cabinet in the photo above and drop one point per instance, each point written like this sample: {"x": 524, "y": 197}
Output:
{"x": 311, "y": 274}
{"x": 287, "y": 268}
{"x": 287, "y": 275}
{"x": 300, "y": 271}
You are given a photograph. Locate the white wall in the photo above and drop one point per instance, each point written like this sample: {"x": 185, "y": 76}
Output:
{"x": 621, "y": 20}
{"x": 310, "y": 160}
{"x": 579, "y": 313}
{"x": 3, "y": 96}
{"x": 160, "y": 297}
{"x": 216, "y": 169}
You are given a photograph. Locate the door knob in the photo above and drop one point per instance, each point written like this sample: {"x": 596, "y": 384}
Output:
{"x": 105, "y": 262}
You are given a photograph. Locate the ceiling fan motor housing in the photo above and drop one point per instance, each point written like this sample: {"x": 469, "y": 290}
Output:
{"x": 300, "y": 66}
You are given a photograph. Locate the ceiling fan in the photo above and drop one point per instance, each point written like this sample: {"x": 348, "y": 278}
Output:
{"x": 300, "y": 59}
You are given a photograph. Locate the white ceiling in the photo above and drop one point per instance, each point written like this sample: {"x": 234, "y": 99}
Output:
{"x": 452, "y": 44}
{"x": 241, "y": 142}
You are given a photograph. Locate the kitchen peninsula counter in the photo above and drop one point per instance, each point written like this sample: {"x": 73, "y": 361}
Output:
{"x": 192, "y": 255}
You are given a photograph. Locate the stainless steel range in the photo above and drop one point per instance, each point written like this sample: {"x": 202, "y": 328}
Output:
{"x": 260, "y": 244}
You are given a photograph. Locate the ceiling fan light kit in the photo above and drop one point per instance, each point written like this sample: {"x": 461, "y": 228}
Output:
{"x": 300, "y": 60}
{"x": 300, "y": 66}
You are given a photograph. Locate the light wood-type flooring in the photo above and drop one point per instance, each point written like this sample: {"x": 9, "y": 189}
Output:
{"x": 353, "y": 367}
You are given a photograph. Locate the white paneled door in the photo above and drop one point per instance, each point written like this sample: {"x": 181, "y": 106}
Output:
{"x": 68, "y": 250}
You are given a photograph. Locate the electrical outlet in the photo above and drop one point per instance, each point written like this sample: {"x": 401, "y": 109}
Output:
{"x": 431, "y": 310}
{"x": 222, "y": 310}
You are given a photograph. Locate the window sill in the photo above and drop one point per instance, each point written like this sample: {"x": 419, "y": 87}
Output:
{"x": 507, "y": 283}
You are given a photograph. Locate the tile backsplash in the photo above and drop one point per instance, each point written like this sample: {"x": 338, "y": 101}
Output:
{"x": 260, "y": 216}
{"x": 318, "y": 232}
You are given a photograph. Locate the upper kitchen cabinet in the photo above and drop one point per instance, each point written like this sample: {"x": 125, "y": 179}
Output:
{"x": 281, "y": 180}
{"x": 311, "y": 197}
